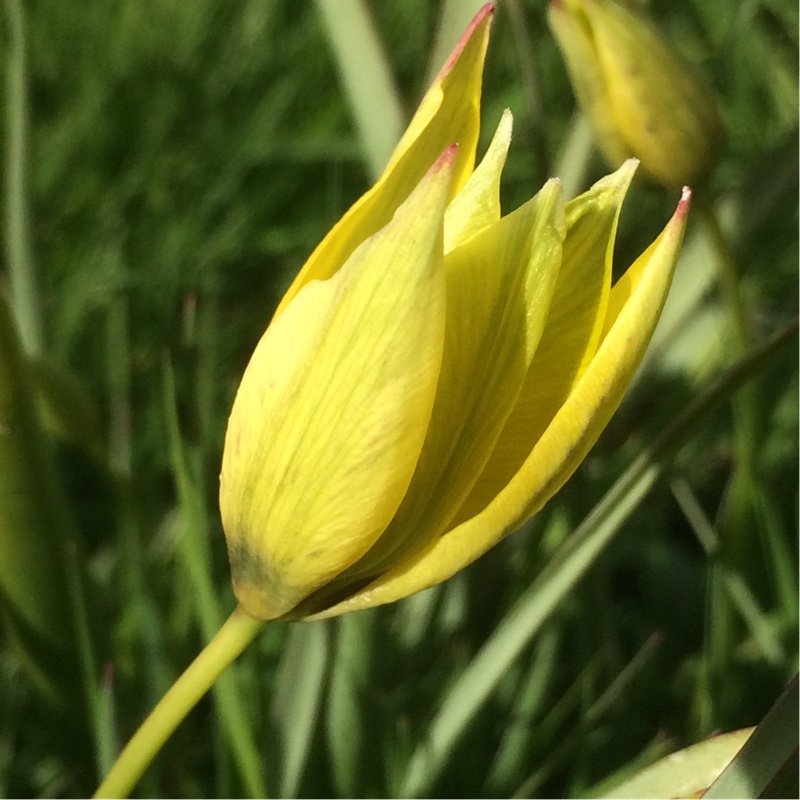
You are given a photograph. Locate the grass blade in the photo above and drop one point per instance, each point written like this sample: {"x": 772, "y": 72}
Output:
{"x": 297, "y": 698}
{"x": 368, "y": 82}
{"x": 769, "y": 758}
{"x": 24, "y": 283}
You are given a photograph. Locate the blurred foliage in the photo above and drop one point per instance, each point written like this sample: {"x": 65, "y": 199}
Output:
{"x": 184, "y": 159}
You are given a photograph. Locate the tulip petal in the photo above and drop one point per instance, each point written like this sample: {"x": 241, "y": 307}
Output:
{"x": 449, "y": 114}
{"x": 563, "y": 445}
{"x": 499, "y": 286}
{"x": 571, "y": 336}
{"x": 477, "y": 205}
{"x": 347, "y": 377}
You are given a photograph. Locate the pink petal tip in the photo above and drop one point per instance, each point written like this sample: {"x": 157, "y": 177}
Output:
{"x": 683, "y": 205}
{"x": 485, "y": 12}
{"x": 446, "y": 159}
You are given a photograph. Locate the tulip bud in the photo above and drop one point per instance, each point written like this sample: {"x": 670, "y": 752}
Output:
{"x": 436, "y": 371}
{"x": 642, "y": 98}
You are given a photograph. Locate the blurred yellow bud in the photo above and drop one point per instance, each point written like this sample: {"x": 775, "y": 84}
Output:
{"x": 642, "y": 98}
{"x": 435, "y": 373}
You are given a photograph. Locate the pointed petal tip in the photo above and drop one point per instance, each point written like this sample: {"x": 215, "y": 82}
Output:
{"x": 485, "y": 14}
{"x": 553, "y": 184}
{"x": 631, "y": 164}
{"x": 505, "y": 128}
{"x": 679, "y": 219}
{"x": 485, "y": 10}
{"x": 684, "y": 204}
{"x": 445, "y": 160}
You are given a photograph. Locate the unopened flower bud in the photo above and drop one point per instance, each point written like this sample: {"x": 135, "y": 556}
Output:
{"x": 642, "y": 98}
{"x": 435, "y": 373}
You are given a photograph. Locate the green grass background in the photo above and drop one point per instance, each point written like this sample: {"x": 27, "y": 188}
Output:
{"x": 181, "y": 160}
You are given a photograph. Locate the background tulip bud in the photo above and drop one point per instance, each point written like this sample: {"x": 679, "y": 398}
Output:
{"x": 641, "y": 97}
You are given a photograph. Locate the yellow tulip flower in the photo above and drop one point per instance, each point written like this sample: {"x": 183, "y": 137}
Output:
{"x": 435, "y": 373}
{"x": 641, "y": 97}
{"x": 433, "y": 376}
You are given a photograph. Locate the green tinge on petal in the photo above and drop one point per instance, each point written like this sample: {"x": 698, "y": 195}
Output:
{"x": 449, "y": 114}
{"x": 571, "y": 27}
{"x": 562, "y": 447}
{"x": 477, "y": 205}
{"x": 331, "y": 413}
{"x": 571, "y": 335}
{"x": 499, "y": 286}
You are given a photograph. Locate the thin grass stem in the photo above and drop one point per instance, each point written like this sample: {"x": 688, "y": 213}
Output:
{"x": 368, "y": 82}
{"x": 25, "y": 297}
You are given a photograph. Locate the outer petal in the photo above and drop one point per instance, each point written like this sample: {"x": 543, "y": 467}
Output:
{"x": 449, "y": 114}
{"x": 562, "y": 447}
{"x": 332, "y": 411}
{"x": 571, "y": 336}
{"x": 499, "y": 286}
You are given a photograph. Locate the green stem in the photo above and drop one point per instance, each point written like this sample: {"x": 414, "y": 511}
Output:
{"x": 572, "y": 162}
{"x": 99, "y": 702}
{"x": 196, "y": 560}
{"x": 24, "y": 289}
{"x": 529, "y": 78}
{"x": 229, "y": 642}
{"x": 368, "y": 82}
{"x": 728, "y": 276}
{"x": 742, "y": 504}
